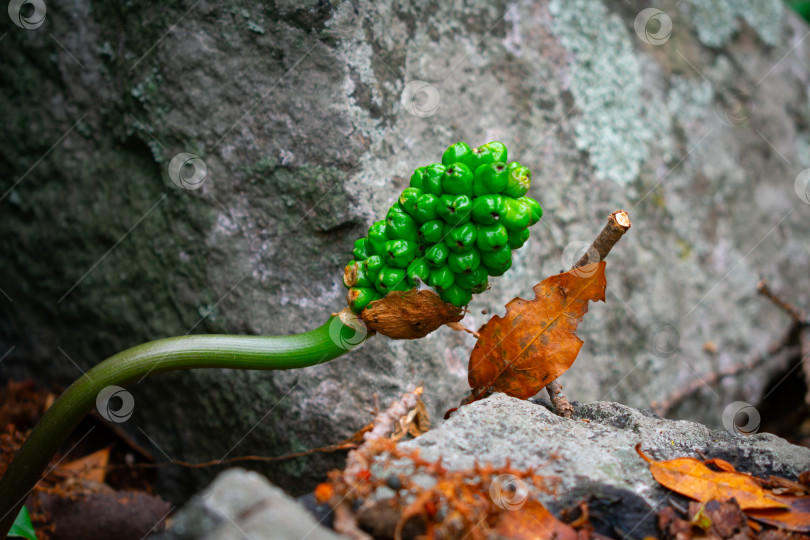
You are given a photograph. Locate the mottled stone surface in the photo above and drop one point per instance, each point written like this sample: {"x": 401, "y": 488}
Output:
{"x": 302, "y": 117}
{"x": 594, "y": 451}
{"x": 589, "y": 457}
{"x": 243, "y": 504}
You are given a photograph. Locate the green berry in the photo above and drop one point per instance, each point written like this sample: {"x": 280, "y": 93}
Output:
{"x": 359, "y": 297}
{"x": 400, "y": 225}
{"x": 517, "y": 215}
{"x": 373, "y": 265}
{"x": 418, "y": 269}
{"x": 492, "y": 237}
{"x": 456, "y": 295}
{"x": 495, "y": 260}
{"x": 441, "y": 278}
{"x": 501, "y": 270}
{"x": 457, "y": 180}
{"x": 436, "y": 255}
{"x": 417, "y": 177}
{"x": 479, "y": 156}
{"x": 399, "y": 253}
{"x": 396, "y": 208}
{"x": 426, "y": 207}
{"x": 461, "y": 238}
{"x": 535, "y": 209}
{"x": 518, "y": 181}
{"x": 488, "y": 209}
{"x": 432, "y": 179}
{"x": 431, "y": 231}
{"x": 475, "y": 281}
{"x": 356, "y": 275}
{"x": 464, "y": 262}
{"x": 490, "y": 178}
{"x": 362, "y": 249}
{"x": 378, "y": 237}
{"x": 518, "y": 238}
{"x": 408, "y": 200}
{"x": 454, "y": 226}
{"x": 455, "y": 153}
{"x": 454, "y": 209}
{"x": 498, "y": 150}
{"x": 391, "y": 279}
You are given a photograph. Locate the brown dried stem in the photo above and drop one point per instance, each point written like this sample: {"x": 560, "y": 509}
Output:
{"x": 801, "y": 324}
{"x": 776, "y": 353}
{"x": 618, "y": 224}
{"x": 558, "y": 399}
{"x": 782, "y": 351}
{"x": 804, "y": 343}
{"x": 795, "y": 313}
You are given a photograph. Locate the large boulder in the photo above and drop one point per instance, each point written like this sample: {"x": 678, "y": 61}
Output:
{"x": 307, "y": 120}
{"x": 589, "y": 457}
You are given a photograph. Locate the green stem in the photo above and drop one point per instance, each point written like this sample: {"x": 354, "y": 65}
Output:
{"x": 326, "y": 342}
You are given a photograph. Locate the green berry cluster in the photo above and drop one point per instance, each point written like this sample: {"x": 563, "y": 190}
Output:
{"x": 455, "y": 226}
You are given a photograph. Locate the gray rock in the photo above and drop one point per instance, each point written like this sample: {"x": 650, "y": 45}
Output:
{"x": 301, "y": 113}
{"x": 243, "y": 504}
{"x": 594, "y": 452}
{"x": 590, "y": 457}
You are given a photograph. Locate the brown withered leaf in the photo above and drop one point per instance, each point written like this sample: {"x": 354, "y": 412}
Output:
{"x": 691, "y": 477}
{"x": 673, "y": 527}
{"x": 92, "y": 468}
{"x": 708, "y": 520}
{"x": 795, "y": 518}
{"x": 535, "y": 342}
{"x": 409, "y": 314}
{"x": 415, "y": 423}
{"x": 783, "y": 486}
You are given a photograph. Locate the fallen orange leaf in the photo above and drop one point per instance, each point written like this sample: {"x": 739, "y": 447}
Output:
{"x": 691, "y": 477}
{"x": 721, "y": 464}
{"x": 92, "y": 467}
{"x": 535, "y": 342}
{"x": 796, "y": 518}
{"x": 532, "y": 521}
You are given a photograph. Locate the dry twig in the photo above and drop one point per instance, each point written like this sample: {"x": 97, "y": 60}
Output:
{"x": 618, "y": 224}
{"x": 801, "y": 323}
{"x": 558, "y": 399}
{"x": 796, "y": 314}
{"x": 782, "y": 351}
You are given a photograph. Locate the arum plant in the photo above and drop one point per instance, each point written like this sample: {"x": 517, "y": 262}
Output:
{"x": 449, "y": 231}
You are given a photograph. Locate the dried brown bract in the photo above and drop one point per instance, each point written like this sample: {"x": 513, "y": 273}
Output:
{"x": 409, "y": 314}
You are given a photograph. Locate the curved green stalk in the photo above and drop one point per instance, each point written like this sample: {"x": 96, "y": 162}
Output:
{"x": 326, "y": 342}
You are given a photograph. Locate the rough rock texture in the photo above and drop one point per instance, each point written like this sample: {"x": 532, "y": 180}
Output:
{"x": 243, "y": 504}
{"x": 305, "y": 117}
{"x": 589, "y": 457}
{"x": 595, "y": 450}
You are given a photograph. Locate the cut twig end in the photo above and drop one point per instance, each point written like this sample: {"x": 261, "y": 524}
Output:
{"x": 621, "y": 219}
{"x": 618, "y": 223}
